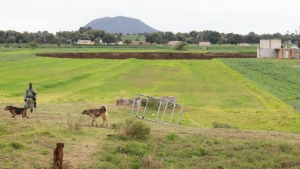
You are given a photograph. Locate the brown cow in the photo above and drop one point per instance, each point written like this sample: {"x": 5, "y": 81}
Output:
{"x": 94, "y": 113}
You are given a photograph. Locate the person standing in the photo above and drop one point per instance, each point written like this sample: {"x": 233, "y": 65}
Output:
{"x": 30, "y": 97}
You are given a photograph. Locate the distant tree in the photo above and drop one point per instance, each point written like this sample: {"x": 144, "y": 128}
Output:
{"x": 277, "y": 36}
{"x": 58, "y": 42}
{"x": 251, "y": 38}
{"x": 45, "y": 32}
{"x": 83, "y": 29}
{"x": 233, "y": 38}
{"x": 11, "y": 39}
{"x": 194, "y": 35}
{"x": 93, "y": 34}
{"x": 137, "y": 39}
{"x": 69, "y": 41}
{"x": 32, "y": 44}
{"x": 170, "y": 36}
{"x": 2, "y": 40}
{"x": 109, "y": 38}
{"x": 127, "y": 41}
{"x": 155, "y": 37}
{"x": 180, "y": 36}
{"x": 211, "y": 36}
{"x": 119, "y": 36}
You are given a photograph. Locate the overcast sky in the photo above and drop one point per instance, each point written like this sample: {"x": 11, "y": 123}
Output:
{"x": 224, "y": 16}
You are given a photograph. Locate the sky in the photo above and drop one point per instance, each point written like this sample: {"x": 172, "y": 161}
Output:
{"x": 224, "y": 16}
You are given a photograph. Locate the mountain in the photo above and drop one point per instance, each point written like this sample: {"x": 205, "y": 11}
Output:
{"x": 120, "y": 24}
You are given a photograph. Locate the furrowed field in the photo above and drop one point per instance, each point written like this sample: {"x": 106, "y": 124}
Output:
{"x": 237, "y": 113}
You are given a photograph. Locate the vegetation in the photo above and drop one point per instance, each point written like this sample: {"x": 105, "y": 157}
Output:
{"x": 32, "y": 141}
{"x": 192, "y": 37}
{"x": 203, "y": 93}
{"x": 279, "y": 77}
{"x": 230, "y": 119}
{"x": 181, "y": 46}
{"x": 127, "y": 41}
{"x": 32, "y": 45}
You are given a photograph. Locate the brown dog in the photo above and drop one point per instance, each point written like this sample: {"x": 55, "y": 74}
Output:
{"x": 94, "y": 113}
{"x": 17, "y": 111}
{"x": 58, "y": 155}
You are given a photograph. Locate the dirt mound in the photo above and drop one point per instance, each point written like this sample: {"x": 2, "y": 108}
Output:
{"x": 148, "y": 55}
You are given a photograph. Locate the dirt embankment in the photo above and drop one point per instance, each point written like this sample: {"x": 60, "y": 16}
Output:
{"x": 148, "y": 55}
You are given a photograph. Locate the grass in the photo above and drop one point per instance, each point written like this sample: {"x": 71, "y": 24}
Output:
{"x": 206, "y": 88}
{"x": 224, "y": 48}
{"x": 28, "y": 143}
{"x": 279, "y": 77}
{"x": 229, "y": 121}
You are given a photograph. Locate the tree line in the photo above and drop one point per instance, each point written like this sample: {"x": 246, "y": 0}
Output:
{"x": 192, "y": 37}
{"x": 65, "y": 37}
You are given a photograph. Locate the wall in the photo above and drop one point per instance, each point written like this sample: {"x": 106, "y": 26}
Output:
{"x": 269, "y": 53}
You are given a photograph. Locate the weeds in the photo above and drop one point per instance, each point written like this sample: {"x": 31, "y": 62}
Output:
{"x": 131, "y": 129}
{"x": 151, "y": 161}
{"x": 172, "y": 136}
{"x": 221, "y": 125}
{"x": 16, "y": 145}
{"x": 74, "y": 124}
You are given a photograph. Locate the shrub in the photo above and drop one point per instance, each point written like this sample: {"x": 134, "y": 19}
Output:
{"x": 32, "y": 44}
{"x": 181, "y": 46}
{"x": 172, "y": 136}
{"x": 132, "y": 129}
{"x": 6, "y": 46}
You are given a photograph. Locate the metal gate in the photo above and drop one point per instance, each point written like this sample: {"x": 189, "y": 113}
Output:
{"x": 156, "y": 109}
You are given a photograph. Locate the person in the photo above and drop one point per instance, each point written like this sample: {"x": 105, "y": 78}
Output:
{"x": 30, "y": 97}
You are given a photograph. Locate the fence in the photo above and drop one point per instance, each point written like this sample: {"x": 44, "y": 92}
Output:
{"x": 154, "y": 109}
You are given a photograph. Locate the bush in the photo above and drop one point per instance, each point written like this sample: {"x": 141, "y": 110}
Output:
{"x": 181, "y": 46}
{"x": 132, "y": 129}
{"x": 32, "y": 45}
{"x": 172, "y": 137}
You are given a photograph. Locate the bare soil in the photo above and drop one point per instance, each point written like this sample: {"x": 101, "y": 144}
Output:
{"x": 148, "y": 55}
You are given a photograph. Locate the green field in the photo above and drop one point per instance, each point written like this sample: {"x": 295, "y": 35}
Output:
{"x": 191, "y": 48}
{"x": 261, "y": 107}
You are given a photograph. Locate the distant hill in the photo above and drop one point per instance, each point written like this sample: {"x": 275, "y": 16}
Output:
{"x": 120, "y": 24}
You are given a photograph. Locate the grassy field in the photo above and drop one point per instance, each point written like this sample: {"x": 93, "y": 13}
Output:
{"x": 264, "y": 128}
{"x": 191, "y": 48}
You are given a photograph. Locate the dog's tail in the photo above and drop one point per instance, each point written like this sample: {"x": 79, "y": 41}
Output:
{"x": 106, "y": 112}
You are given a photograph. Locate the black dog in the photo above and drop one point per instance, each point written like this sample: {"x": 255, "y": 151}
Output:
{"x": 17, "y": 111}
